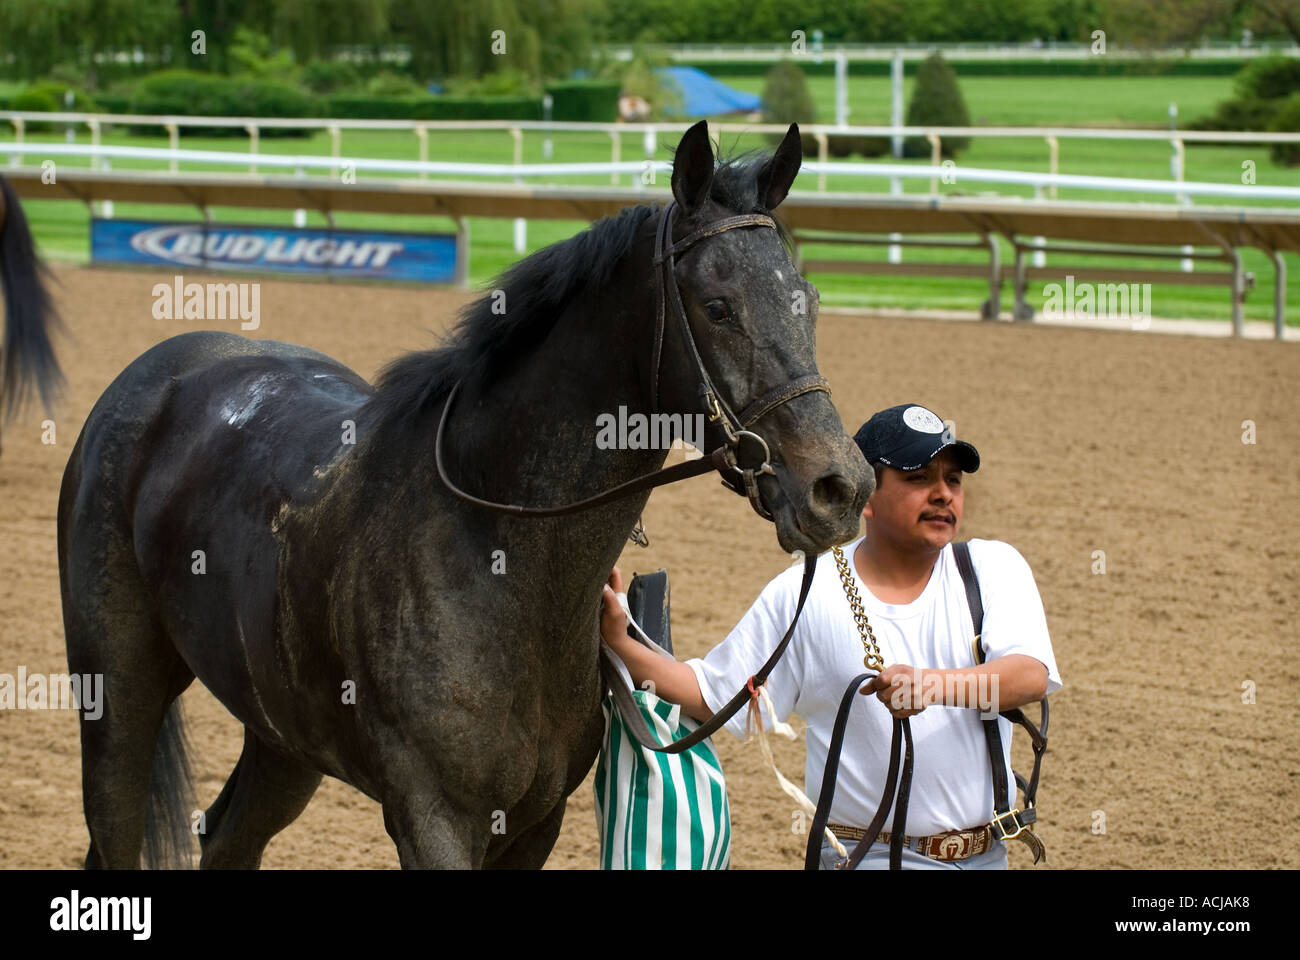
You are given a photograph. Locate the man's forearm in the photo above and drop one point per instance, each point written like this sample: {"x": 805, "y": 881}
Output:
{"x": 1002, "y": 684}
{"x": 673, "y": 680}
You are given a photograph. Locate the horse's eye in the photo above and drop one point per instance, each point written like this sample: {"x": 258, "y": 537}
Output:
{"x": 718, "y": 310}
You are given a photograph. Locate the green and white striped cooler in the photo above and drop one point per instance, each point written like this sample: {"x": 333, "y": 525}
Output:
{"x": 659, "y": 811}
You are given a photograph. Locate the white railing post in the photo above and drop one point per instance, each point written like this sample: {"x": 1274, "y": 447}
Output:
{"x": 299, "y": 215}
{"x": 936, "y": 157}
{"x": 1178, "y": 158}
{"x": 173, "y": 141}
{"x": 521, "y": 225}
{"x": 19, "y": 126}
{"x": 823, "y": 156}
{"x": 106, "y": 208}
{"x": 1040, "y": 256}
{"x": 422, "y": 134}
{"x": 94, "y": 142}
{"x": 252, "y": 144}
{"x": 615, "y": 153}
{"x": 1053, "y": 160}
{"x": 895, "y": 250}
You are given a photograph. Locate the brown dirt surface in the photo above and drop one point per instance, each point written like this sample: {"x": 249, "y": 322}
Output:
{"x": 1126, "y": 443}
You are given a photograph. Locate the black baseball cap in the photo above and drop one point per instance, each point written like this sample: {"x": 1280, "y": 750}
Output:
{"x": 908, "y": 436}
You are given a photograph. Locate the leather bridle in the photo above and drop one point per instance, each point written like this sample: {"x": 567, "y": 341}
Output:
{"x": 740, "y": 447}
{"x": 729, "y": 460}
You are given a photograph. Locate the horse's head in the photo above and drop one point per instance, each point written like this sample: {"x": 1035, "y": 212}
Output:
{"x": 753, "y": 319}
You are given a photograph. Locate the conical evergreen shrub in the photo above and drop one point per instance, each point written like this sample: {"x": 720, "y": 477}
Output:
{"x": 936, "y": 102}
{"x": 786, "y": 100}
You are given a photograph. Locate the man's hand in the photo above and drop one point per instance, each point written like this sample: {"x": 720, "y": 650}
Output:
{"x": 661, "y": 675}
{"x": 613, "y": 619}
{"x": 898, "y": 687}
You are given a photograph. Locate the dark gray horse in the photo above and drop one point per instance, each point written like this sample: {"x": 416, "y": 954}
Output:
{"x": 356, "y": 617}
{"x": 26, "y": 356}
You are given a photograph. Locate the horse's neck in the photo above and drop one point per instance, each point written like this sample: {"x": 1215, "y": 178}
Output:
{"x": 528, "y": 436}
{"x": 535, "y": 429}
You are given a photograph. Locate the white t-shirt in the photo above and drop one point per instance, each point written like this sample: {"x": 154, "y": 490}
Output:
{"x": 952, "y": 784}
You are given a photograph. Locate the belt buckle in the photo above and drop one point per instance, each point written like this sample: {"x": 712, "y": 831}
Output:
{"x": 997, "y": 822}
{"x": 950, "y": 847}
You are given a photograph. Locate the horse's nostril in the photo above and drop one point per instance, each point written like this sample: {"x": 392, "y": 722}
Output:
{"x": 832, "y": 492}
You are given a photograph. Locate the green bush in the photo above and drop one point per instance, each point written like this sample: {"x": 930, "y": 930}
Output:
{"x": 434, "y": 108}
{"x": 843, "y": 145}
{"x": 1270, "y": 78}
{"x": 389, "y": 84}
{"x": 113, "y": 102}
{"x": 33, "y": 100}
{"x": 188, "y": 93}
{"x": 578, "y": 101}
{"x": 1262, "y": 89}
{"x": 498, "y": 83}
{"x": 936, "y": 102}
{"x": 786, "y": 100}
{"x": 1287, "y": 120}
{"x": 328, "y": 76}
{"x": 81, "y": 101}
{"x": 1237, "y": 115}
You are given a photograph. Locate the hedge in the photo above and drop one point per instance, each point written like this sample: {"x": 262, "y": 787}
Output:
{"x": 189, "y": 93}
{"x": 1261, "y": 103}
{"x": 580, "y": 101}
{"x": 1287, "y": 120}
{"x": 35, "y": 100}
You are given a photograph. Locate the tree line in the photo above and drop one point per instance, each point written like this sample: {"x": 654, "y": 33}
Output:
{"x": 92, "y": 42}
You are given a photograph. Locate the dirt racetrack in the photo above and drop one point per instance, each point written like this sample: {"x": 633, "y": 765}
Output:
{"x": 1131, "y": 444}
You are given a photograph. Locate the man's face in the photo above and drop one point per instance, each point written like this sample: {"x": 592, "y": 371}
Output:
{"x": 918, "y": 510}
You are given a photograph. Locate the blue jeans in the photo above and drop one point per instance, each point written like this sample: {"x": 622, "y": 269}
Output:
{"x": 877, "y": 858}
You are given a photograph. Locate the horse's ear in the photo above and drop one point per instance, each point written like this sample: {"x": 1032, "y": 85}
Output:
{"x": 693, "y": 168}
{"x": 777, "y": 174}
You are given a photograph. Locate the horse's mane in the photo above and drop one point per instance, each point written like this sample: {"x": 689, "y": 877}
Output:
{"x": 537, "y": 289}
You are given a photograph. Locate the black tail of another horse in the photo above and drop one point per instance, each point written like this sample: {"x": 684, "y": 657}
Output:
{"x": 29, "y": 313}
{"x": 168, "y": 838}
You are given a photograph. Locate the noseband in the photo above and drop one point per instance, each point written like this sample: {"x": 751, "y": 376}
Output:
{"x": 743, "y": 457}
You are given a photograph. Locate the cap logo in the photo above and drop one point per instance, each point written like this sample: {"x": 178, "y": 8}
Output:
{"x": 922, "y": 420}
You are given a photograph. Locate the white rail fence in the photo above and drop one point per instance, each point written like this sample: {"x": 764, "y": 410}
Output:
{"x": 650, "y": 134}
{"x": 299, "y": 163}
{"x": 101, "y": 156}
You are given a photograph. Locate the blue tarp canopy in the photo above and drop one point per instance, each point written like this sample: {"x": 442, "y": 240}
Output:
{"x": 703, "y": 96}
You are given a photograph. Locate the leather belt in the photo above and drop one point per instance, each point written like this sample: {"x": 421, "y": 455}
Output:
{"x": 945, "y": 847}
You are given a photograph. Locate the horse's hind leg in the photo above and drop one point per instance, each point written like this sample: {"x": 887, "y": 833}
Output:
{"x": 127, "y": 770}
{"x": 110, "y": 633}
{"x": 264, "y": 795}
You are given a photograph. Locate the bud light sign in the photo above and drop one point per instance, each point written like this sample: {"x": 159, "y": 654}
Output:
{"x": 427, "y": 257}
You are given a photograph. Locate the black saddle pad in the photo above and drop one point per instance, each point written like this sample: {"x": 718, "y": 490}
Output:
{"x": 647, "y": 597}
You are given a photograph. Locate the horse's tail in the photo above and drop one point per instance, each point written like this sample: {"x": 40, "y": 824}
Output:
{"x": 29, "y": 312}
{"x": 168, "y": 843}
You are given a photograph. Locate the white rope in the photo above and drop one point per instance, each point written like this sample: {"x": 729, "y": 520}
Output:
{"x": 755, "y": 724}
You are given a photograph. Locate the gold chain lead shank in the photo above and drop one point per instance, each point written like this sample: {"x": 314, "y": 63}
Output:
{"x": 873, "y": 660}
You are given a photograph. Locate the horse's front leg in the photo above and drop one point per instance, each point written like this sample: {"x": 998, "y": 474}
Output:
{"x": 431, "y": 833}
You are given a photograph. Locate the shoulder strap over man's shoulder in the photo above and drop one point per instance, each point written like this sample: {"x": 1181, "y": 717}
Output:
{"x": 961, "y": 553}
{"x": 1002, "y": 797}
